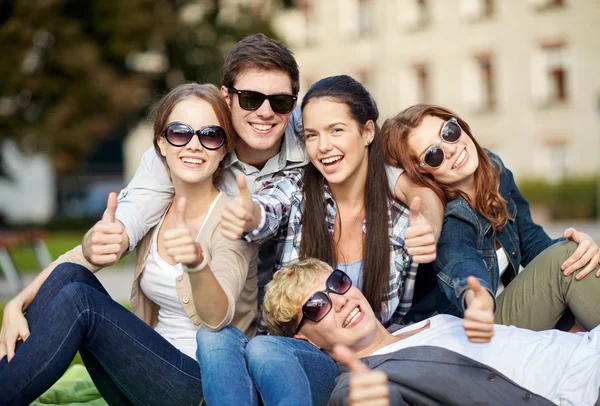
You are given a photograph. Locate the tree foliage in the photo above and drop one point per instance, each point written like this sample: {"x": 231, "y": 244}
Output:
{"x": 72, "y": 70}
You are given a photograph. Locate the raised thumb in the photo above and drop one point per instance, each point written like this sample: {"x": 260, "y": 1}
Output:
{"x": 244, "y": 192}
{"x": 348, "y": 357}
{"x": 415, "y": 210}
{"x": 111, "y": 208}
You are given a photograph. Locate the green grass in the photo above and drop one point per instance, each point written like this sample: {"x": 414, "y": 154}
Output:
{"x": 58, "y": 242}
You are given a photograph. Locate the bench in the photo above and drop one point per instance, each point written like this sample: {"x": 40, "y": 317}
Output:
{"x": 9, "y": 240}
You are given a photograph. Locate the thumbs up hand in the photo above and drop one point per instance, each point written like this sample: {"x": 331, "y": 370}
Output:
{"x": 366, "y": 387}
{"x": 179, "y": 242}
{"x": 241, "y": 215}
{"x": 479, "y": 316}
{"x": 418, "y": 238}
{"x": 102, "y": 243}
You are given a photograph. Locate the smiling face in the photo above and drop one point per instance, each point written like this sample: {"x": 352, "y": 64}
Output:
{"x": 260, "y": 131}
{"x": 192, "y": 163}
{"x": 335, "y": 143}
{"x": 350, "y": 321}
{"x": 461, "y": 159}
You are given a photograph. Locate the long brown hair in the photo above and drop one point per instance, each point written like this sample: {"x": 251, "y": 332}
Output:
{"x": 316, "y": 241}
{"x": 487, "y": 200}
{"x": 207, "y": 92}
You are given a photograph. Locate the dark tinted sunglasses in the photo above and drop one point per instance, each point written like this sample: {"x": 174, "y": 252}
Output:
{"x": 179, "y": 134}
{"x": 449, "y": 133}
{"x": 319, "y": 304}
{"x": 250, "y": 100}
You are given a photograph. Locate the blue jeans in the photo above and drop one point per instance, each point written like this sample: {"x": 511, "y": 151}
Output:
{"x": 129, "y": 362}
{"x": 285, "y": 371}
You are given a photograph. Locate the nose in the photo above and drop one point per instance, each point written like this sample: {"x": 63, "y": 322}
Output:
{"x": 194, "y": 144}
{"x": 324, "y": 144}
{"x": 265, "y": 111}
{"x": 339, "y": 302}
{"x": 449, "y": 149}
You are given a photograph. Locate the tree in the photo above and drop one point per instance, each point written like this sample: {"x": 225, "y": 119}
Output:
{"x": 74, "y": 70}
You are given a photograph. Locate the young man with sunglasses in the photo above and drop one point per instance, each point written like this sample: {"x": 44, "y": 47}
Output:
{"x": 311, "y": 302}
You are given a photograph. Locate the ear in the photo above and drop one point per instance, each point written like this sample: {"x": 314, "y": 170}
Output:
{"x": 225, "y": 95}
{"x": 223, "y": 153}
{"x": 302, "y": 337}
{"x": 369, "y": 132}
{"x": 162, "y": 145}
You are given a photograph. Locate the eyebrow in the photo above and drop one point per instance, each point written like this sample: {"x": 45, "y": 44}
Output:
{"x": 439, "y": 132}
{"x": 327, "y": 127}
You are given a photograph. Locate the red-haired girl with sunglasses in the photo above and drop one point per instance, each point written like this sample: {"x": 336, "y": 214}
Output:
{"x": 488, "y": 232}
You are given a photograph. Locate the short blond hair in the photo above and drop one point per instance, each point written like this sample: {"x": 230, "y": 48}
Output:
{"x": 284, "y": 295}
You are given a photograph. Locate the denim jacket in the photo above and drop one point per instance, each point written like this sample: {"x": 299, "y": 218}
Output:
{"x": 467, "y": 242}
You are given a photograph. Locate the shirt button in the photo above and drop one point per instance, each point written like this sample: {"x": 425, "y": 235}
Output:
{"x": 197, "y": 322}
{"x": 179, "y": 278}
{"x": 185, "y": 300}
{"x": 527, "y": 397}
{"x": 491, "y": 377}
{"x": 514, "y": 253}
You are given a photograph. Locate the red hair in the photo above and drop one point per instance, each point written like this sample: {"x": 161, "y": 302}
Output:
{"x": 487, "y": 200}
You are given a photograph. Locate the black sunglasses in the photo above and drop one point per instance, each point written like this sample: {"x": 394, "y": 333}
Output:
{"x": 179, "y": 134}
{"x": 450, "y": 133}
{"x": 319, "y": 304}
{"x": 251, "y": 100}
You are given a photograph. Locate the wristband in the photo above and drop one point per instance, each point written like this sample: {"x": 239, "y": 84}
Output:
{"x": 201, "y": 265}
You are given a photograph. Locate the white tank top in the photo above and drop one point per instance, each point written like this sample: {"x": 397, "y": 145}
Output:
{"x": 158, "y": 284}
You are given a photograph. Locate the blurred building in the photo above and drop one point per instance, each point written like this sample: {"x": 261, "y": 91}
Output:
{"x": 523, "y": 73}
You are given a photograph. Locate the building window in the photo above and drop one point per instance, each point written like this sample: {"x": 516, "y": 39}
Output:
{"x": 558, "y": 158}
{"x": 308, "y": 13}
{"x": 549, "y": 74}
{"x": 479, "y": 83}
{"x": 355, "y": 17}
{"x": 476, "y": 9}
{"x": 415, "y": 84}
{"x": 422, "y": 78}
{"x": 413, "y": 14}
{"x": 540, "y": 5}
{"x": 365, "y": 17}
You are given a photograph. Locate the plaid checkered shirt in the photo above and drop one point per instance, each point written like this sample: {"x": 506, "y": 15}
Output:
{"x": 281, "y": 201}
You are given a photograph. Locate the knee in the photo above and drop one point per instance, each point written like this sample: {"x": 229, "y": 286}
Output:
{"x": 263, "y": 349}
{"x": 227, "y": 338}
{"x": 74, "y": 295}
{"x": 68, "y": 272}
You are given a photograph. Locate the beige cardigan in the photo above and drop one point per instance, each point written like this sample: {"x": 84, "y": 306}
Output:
{"x": 234, "y": 264}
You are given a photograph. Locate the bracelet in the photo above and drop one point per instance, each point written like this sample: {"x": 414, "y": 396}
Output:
{"x": 201, "y": 265}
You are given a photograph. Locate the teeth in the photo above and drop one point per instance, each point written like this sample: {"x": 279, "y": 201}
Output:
{"x": 193, "y": 161}
{"x": 351, "y": 317}
{"x": 262, "y": 127}
{"x": 461, "y": 158}
{"x": 331, "y": 159}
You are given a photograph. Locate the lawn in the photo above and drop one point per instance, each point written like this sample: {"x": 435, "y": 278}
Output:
{"x": 58, "y": 242}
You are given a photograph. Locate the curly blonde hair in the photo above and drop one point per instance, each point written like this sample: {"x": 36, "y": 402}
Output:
{"x": 286, "y": 293}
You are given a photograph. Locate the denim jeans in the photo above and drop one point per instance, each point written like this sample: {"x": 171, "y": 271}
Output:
{"x": 129, "y": 362}
{"x": 285, "y": 371}
{"x": 225, "y": 378}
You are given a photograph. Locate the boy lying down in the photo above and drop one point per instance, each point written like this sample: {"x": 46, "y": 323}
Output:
{"x": 430, "y": 362}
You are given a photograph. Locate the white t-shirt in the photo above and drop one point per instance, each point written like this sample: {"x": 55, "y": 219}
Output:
{"x": 562, "y": 367}
{"x": 502, "y": 266}
{"x": 158, "y": 284}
